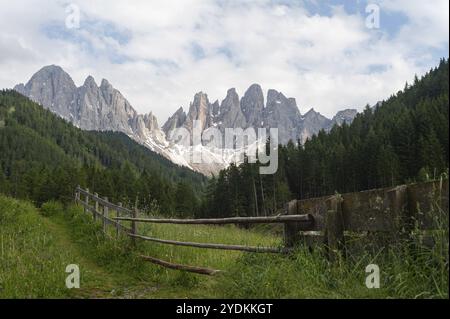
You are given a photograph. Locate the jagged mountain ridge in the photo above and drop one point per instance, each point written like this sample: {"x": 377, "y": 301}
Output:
{"x": 91, "y": 107}
{"x": 104, "y": 108}
{"x": 252, "y": 111}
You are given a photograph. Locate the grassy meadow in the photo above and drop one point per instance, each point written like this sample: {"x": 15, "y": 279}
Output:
{"x": 37, "y": 244}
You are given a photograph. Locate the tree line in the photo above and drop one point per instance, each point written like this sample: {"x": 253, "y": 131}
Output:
{"x": 43, "y": 157}
{"x": 402, "y": 139}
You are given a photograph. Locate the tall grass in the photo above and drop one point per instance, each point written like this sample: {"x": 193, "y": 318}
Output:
{"x": 32, "y": 265}
{"x": 409, "y": 269}
{"x": 416, "y": 266}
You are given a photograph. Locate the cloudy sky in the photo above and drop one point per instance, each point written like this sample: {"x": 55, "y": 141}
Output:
{"x": 327, "y": 54}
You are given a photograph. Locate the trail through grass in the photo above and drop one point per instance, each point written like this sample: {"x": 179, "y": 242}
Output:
{"x": 37, "y": 245}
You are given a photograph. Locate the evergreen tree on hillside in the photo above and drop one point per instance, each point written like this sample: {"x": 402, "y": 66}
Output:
{"x": 43, "y": 157}
{"x": 402, "y": 139}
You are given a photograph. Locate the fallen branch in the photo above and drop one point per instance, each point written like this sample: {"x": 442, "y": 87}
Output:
{"x": 197, "y": 270}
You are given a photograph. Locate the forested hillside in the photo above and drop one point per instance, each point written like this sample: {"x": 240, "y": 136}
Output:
{"x": 43, "y": 157}
{"x": 402, "y": 139}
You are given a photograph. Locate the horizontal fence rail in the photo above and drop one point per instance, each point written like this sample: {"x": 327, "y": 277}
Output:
{"x": 105, "y": 219}
{"x": 253, "y": 249}
{"x": 328, "y": 220}
{"x": 304, "y": 221}
{"x": 104, "y": 202}
{"x": 305, "y": 218}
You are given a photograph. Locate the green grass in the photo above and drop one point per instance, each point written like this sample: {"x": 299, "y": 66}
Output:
{"x": 36, "y": 245}
{"x": 32, "y": 260}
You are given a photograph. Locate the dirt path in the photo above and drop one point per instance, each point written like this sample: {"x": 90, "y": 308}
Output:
{"x": 96, "y": 282}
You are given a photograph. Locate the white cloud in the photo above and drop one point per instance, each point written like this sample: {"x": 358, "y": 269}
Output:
{"x": 169, "y": 50}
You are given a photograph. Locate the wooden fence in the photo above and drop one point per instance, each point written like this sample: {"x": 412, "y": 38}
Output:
{"x": 104, "y": 210}
{"x": 326, "y": 221}
{"x": 384, "y": 216}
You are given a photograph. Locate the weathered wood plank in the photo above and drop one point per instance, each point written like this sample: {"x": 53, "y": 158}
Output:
{"x": 334, "y": 227}
{"x": 306, "y": 218}
{"x": 213, "y": 246}
{"x": 426, "y": 201}
{"x": 87, "y": 197}
{"x": 198, "y": 270}
{"x": 102, "y": 202}
{"x": 109, "y": 221}
{"x": 94, "y": 213}
{"x": 105, "y": 215}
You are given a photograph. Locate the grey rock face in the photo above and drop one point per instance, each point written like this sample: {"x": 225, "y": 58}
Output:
{"x": 282, "y": 113}
{"x": 176, "y": 120}
{"x": 252, "y": 106}
{"x": 199, "y": 110}
{"x": 278, "y": 112}
{"x": 230, "y": 112}
{"x": 52, "y": 88}
{"x": 345, "y": 116}
{"x": 103, "y": 108}
{"x": 312, "y": 123}
{"x": 90, "y": 107}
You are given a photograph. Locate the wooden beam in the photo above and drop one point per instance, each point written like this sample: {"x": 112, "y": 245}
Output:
{"x": 105, "y": 215}
{"x": 213, "y": 246}
{"x": 107, "y": 220}
{"x": 197, "y": 270}
{"x": 102, "y": 202}
{"x": 306, "y": 218}
{"x": 334, "y": 227}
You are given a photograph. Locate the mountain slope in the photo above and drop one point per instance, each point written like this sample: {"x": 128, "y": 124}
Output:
{"x": 42, "y": 157}
{"x": 103, "y": 108}
{"x": 404, "y": 139}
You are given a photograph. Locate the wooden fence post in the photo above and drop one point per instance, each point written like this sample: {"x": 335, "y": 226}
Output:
{"x": 133, "y": 223}
{"x": 118, "y": 221}
{"x": 290, "y": 230}
{"x": 105, "y": 214}
{"x": 96, "y": 208}
{"x": 77, "y": 194}
{"x": 86, "y": 200}
{"x": 402, "y": 221}
{"x": 334, "y": 227}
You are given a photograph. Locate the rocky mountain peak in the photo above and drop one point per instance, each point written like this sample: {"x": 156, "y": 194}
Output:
{"x": 274, "y": 96}
{"x": 311, "y": 112}
{"x": 89, "y": 107}
{"x": 198, "y": 111}
{"x": 282, "y": 113}
{"x": 252, "y": 105}
{"x": 50, "y": 71}
{"x": 104, "y": 108}
{"x": 151, "y": 122}
{"x": 175, "y": 121}
{"x": 90, "y": 82}
{"x": 230, "y": 102}
{"x": 230, "y": 112}
{"x": 315, "y": 118}
{"x": 53, "y": 88}
{"x": 215, "y": 108}
{"x": 105, "y": 85}
{"x": 346, "y": 116}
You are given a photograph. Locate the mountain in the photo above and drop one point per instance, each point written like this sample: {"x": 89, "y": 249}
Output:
{"x": 90, "y": 107}
{"x": 93, "y": 107}
{"x": 252, "y": 111}
{"x": 404, "y": 139}
{"x": 104, "y": 108}
{"x": 43, "y": 157}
